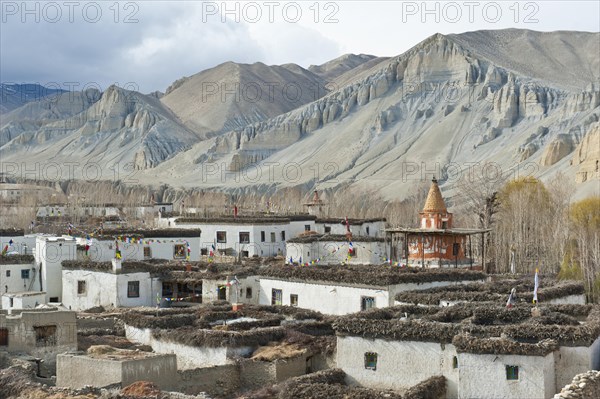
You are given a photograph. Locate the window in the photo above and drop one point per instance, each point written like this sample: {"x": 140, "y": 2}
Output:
{"x": 45, "y": 335}
{"x": 307, "y": 227}
{"x": 11, "y": 303}
{"x": 248, "y": 292}
{"x": 367, "y": 229}
{"x": 8, "y": 273}
{"x": 24, "y": 273}
{"x": 3, "y": 336}
{"x": 81, "y": 288}
{"x": 221, "y": 237}
{"x": 244, "y": 237}
{"x": 454, "y": 362}
{"x": 262, "y": 236}
{"x": 273, "y": 237}
{"x": 327, "y": 229}
{"x": 203, "y": 251}
{"x": 222, "y": 293}
{"x": 371, "y": 361}
{"x": 294, "y": 300}
{"x": 179, "y": 251}
{"x": 147, "y": 252}
{"x": 133, "y": 289}
{"x": 367, "y": 302}
{"x": 283, "y": 236}
{"x": 276, "y": 296}
{"x": 512, "y": 373}
{"x": 245, "y": 254}
{"x": 444, "y": 224}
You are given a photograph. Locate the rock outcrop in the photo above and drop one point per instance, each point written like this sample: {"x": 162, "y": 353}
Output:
{"x": 587, "y": 156}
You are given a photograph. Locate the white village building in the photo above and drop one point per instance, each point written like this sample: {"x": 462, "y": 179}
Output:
{"x": 330, "y": 249}
{"x": 341, "y": 290}
{"x": 244, "y": 236}
{"x": 531, "y": 357}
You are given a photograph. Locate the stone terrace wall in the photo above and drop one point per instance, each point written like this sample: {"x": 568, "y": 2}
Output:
{"x": 583, "y": 386}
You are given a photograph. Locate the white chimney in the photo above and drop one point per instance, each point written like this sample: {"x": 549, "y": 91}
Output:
{"x": 116, "y": 265}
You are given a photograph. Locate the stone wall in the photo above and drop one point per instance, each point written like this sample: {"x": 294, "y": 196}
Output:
{"x": 218, "y": 381}
{"x": 583, "y": 386}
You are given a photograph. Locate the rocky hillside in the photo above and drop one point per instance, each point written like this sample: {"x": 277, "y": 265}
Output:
{"x": 523, "y": 103}
{"x": 119, "y": 126}
{"x": 231, "y": 96}
{"x": 447, "y": 102}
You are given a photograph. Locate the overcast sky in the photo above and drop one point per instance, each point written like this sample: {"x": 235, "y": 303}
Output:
{"x": 149, "y": 44}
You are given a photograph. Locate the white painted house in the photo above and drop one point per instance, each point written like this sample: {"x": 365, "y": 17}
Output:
{"x": 134, "y": 283}
{"x": 374, "y": 227}
{"x": 17, "y": 242}
{"x": 399, "y": 349}
{"x": 244, "y": 236}
{"x": 23, "y": 300}
{"x": 166, "y": 244}
{"x": 87, "y": 287}
{"x": 18, "y": 273}
{"x": 329, "y": 249}
{"x": 50, "y": 252}
{"x": 341, "y": 290}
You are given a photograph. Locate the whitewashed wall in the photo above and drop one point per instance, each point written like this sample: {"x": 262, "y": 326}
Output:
{"x": 569, "y": 300}
{"x": 370, "y": 229}
{"x": 23, "y": 302}
{"x": 51, "y": 252}
{"x": 571, "y": 361}
{"x": 484, "y": 376}
{"x": 188, "y": 357}
{"x": 400, "y": 364}
{"x": 14, "y": 282}
{"x": 330, "y": 298}
{"x": 107, "y": 289}
{"x": 336, "y": 252}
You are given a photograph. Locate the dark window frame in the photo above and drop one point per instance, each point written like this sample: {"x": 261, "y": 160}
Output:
{"x": 221, "y": 237}
{"x": 370, "y": 361}
{"x": 132, "y": 291}
{"x": 81, "y": 287}
{"x": 512, "y": 373}
{"x": 276, "y": 297}
{"x": 244, "y": 237}
{"x": 294, "y": 300}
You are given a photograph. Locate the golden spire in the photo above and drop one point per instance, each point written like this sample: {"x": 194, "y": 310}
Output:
{"x": 434, "y": 202}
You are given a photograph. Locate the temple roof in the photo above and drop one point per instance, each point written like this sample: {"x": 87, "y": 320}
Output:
{"x": 435, "y": 201}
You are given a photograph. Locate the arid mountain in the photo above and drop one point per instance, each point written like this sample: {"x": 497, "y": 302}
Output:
{"x": 514, "y": 102}
{"x": 231, "y": 96}
{"x": 449, "y": 102}
{"x": 118, "y": 127}
{"x": 331, "y": 70}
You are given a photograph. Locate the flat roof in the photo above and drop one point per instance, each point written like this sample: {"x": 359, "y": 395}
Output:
{"x": 342, "y": 220}
{"x": 24, "y": 293}
{"x": 481, "y": 328}
{"x": 308, "y": 238}
{"x": 16, "y": 259}
{"x": 455, "y": 231}
{"x": 374, "y": 275}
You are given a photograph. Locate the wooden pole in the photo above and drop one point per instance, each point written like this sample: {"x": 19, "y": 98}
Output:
{"x": 470, "y": 253}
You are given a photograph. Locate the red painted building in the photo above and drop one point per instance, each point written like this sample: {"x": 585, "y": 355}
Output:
{"x": 436, "y": 243}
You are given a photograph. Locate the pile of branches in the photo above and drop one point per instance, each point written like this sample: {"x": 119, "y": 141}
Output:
{"x": 193, "y": 336}
{"x": 403, "y": 330}
{"x": 500, "y": 315}
{"x": 381, "y": 275}
{"x": 152, "y": 233}
{"x": 502, "y": 346}
{"x": 164, "y": 321}
{"x": 16, "y": 259}
{"x": 11, "y": 232}
{"x": 432, "y": 388}
{"x": 496, "y": 291}
{"x": 325, "y": 384}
